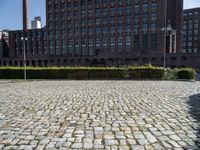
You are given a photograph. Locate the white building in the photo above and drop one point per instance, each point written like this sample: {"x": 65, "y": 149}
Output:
{"x": 36, "y": 23}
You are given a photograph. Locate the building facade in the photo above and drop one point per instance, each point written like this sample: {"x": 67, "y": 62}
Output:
{"x": 34, "y": 44}
{"x": 1, "y": 45}
{"x": 4, "y": 44}
{"x": 191, "y": 30}
{"x": 103, "y": 32}
{"x": 85, "y": 28}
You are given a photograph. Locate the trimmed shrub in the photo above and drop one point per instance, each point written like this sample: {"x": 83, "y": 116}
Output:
{"x": 75, "y": 73}
{"x": 186, "y": 73}
{"x": 11, "y": 73}
{"x": 81, "y": 73}
{"x": 105, "y": 73}
{"x": 146, "y": 72}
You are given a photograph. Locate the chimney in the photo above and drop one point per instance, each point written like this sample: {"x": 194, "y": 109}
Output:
{"x": 25, "y": 14}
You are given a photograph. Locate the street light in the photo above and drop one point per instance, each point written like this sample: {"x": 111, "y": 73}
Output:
{"x": 24, "y": 39}
{"x": 166, "y": 32}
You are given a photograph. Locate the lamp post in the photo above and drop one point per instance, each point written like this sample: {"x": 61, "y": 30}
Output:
{"x": 166, "y": 32}
{"x": 24, "y": 39}
{"x": 166, "y": 29}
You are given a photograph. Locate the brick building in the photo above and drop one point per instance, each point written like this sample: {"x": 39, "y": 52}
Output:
{"x": 191, "y": 30}
{"x": 34, "y": 44}
{"x": 83, "y": 28}
{"x": 104, "y": 32}
{"x": 4, "y": 44}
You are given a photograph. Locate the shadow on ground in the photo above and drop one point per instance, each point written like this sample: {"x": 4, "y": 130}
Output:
{"x": 194, "y": 111}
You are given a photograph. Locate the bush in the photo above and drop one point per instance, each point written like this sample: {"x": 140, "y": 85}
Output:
{"x": 170, "y": 74}
{"x": 186, "y": 73}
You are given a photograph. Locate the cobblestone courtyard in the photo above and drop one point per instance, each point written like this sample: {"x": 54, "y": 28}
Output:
{"x": 138, "y": 115}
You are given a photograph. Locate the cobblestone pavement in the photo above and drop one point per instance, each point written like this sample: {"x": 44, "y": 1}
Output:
{"x": 137, "y": 115}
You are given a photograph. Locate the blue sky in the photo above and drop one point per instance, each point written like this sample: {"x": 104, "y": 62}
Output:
{"x": 11, "y": 14}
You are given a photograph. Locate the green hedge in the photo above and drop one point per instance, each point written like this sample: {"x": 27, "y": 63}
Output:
{"x": 148, "y": 72}
{"x": 186, "y": 73}
{"x": 143, "y": 72}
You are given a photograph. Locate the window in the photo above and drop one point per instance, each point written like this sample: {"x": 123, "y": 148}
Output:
{"x": 128, "y": 42}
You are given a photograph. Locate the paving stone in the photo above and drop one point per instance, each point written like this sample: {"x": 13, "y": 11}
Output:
{"x": 98, "y": 141}
{"x": 158, "y": 146}
{"x": 167, "y": 132}
{"x": 175, "y": 137}
{"x": 108, "y": 136}
{"x": 150, "y": 138}
{"x": 138, "y": 135}
{"x": 1, "y": 146}
{"x": 166, "y": 145}
{"x": 67, "y": 144}
{"x": 10, "y": 147}
{"x": 23, "y": 142}
{"x": 174, "y": 144}
{"x": 111, "y": 142}
{"x": 123, "y": 148}
{"x": 138, "y": 147}
{"x": 149, "y": 147}
{"x": 131, "y": 141}
{"x": 114, "y": 147}
{"x": 88, "y": 140}
{"x": 122, "y": 142}
{"x": 142, "y": 141}
{"x": 22, "y": 147}
{"x": 40, "y": 147}
{"x": 96, "y": 146}
{"x": 77, "y": 145}
{"x": 87, "y": 145}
